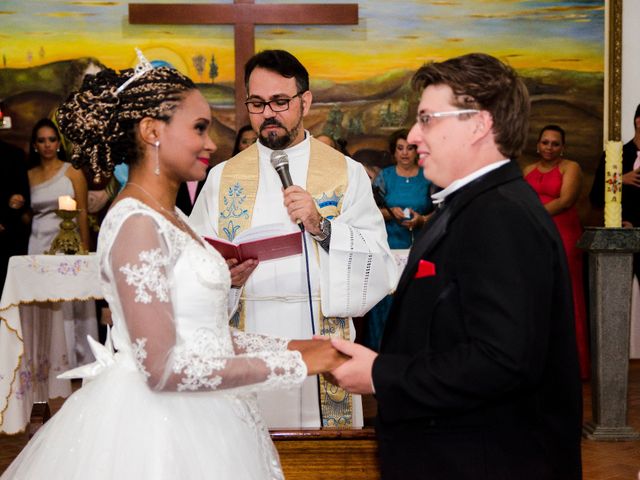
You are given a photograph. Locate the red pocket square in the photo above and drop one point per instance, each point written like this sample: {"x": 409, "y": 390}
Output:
{"x": 425, "y": 269}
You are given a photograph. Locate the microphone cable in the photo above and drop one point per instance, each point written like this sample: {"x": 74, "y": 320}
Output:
{"x": 280, "y": 163}
{"x": 313, "y": 323}
{"x": 308, "y": 272}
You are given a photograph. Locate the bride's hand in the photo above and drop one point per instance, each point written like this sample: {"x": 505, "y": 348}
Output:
{"x": 319, "y": 355}
{"x": 302, "y": 345}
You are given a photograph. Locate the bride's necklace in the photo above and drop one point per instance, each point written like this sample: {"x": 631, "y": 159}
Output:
{"x": 181, "y": 225}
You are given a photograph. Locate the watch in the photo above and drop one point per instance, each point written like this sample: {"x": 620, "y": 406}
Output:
{"x": 325, "y": 230}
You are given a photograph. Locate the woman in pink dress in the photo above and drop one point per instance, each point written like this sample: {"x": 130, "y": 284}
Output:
{"x": 557, "y": 182}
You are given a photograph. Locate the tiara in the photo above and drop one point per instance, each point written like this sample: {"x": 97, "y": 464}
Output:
{"x": 140, "y": 69}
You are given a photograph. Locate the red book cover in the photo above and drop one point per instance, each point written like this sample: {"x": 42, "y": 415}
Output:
{"x": 262, "y": 249}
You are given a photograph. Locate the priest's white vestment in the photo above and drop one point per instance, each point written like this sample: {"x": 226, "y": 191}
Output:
{"x": 350, "y": 279}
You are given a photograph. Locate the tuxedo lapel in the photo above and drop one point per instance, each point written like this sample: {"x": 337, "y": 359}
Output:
{"x": 433, "y": 231}
{"x": 436, "y": 228}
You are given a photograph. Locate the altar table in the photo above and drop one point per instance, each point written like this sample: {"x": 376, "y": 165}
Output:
{"x": 33, "y": 353}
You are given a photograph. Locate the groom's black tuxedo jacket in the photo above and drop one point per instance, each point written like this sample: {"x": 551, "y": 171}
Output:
{"x": 477, "y": 376}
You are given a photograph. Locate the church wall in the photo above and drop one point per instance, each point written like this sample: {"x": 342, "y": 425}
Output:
{"x": 360, "y": 74}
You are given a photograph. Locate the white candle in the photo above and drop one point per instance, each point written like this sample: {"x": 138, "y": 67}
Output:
{"x": 65, "y": 202}
{"x": 613, "y": 185}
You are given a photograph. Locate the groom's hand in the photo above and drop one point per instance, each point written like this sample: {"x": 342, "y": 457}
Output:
{"x": 354, "y": 375}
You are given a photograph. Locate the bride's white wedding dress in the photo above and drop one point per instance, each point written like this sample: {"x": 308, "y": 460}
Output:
{"x": 176, "y": 400}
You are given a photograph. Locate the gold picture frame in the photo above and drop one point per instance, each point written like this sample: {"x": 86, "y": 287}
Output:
{"x": 614, "y": 69}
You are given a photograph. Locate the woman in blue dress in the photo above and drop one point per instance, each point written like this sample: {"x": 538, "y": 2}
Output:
{"x": 405, "y": 205}
{"x": 405, "y": 192}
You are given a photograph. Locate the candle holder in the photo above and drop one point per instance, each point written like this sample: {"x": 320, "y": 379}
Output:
{"x": 68, "y": 240}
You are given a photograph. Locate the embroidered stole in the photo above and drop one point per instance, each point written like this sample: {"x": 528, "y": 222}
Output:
{"x": 327, "y": 183}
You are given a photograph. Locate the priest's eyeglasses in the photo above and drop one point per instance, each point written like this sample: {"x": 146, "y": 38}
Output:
{"x": 276, "y": 105}
{"x": 424, "y": 119}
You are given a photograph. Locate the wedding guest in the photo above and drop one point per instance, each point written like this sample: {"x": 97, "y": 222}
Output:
{"x": 405, "y": 191}
{"x": 176, "y": 400}
{"x": 244, "y": 139}
{"x": 327, "y": 140}
{"x": 50, "y": 178}
{"x": 557, "y": 181}
{"x": 339, "y": 144}
{"x": 373, "y": 161}
{"x": 15, "y": 201}
{"x": 188, "y": 194}
{"x": 403, "y": 194}
{"x": 630, "y": 186}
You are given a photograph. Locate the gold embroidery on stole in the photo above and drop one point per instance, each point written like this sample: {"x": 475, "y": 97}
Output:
{"x": 236, "y": 198}
{"x": 327, "y": 183}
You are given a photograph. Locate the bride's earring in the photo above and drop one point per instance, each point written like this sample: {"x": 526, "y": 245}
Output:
{"x": 157, "y": 169}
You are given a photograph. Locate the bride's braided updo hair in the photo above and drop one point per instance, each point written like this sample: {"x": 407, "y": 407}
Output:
{"x": 101, "y": 122}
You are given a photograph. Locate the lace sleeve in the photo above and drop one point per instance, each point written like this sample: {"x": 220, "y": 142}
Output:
{"x": 142, "y": 260}
{"x": 252, "y": 342}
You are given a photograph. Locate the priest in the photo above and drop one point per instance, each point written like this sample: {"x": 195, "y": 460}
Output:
{"x": 349, "y": 265}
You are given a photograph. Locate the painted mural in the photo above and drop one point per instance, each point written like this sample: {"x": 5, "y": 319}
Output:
{"x": 360, "y": 74}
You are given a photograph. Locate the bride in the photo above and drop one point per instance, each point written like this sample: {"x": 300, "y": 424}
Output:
{"x": 176, "y": 399}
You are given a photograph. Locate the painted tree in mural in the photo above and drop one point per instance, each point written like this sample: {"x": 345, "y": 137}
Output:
{"x": 213, "y": 68}
{"x": 333, "y": 126}
{"x": 356, "y": 125}
{"x": 403, "y": 110}
{"x": 199, "y": 62}
{"x": 394, "y": 115}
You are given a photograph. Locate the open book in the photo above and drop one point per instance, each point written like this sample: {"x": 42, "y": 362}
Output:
{"x": 264, "y": 242}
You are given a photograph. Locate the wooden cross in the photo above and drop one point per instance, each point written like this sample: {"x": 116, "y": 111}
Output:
{"x": 244, "y": 15}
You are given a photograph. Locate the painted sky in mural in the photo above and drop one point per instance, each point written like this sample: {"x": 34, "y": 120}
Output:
{"x": 402, "y": 34}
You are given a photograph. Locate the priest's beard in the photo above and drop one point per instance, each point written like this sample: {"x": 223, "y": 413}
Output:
{"x": 275, "y": 142}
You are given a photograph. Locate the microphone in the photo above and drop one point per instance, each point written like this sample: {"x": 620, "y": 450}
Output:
{"x": 280, "y": 161}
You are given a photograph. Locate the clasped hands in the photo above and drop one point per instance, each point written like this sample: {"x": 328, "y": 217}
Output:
{"x": 341, "y": 362}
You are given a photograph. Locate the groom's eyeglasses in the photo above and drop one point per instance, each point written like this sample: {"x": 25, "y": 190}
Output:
{"x": 424, "y": 119}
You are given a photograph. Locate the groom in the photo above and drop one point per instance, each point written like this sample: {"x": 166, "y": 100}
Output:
{"x": 477, "y": 376}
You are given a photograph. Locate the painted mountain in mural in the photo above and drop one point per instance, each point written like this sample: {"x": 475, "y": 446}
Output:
{"x": 364, "y": 112}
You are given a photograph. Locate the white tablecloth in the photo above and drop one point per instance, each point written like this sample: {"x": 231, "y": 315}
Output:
{"x": 401, "y": 256}
{"x": 33, "y": 353}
